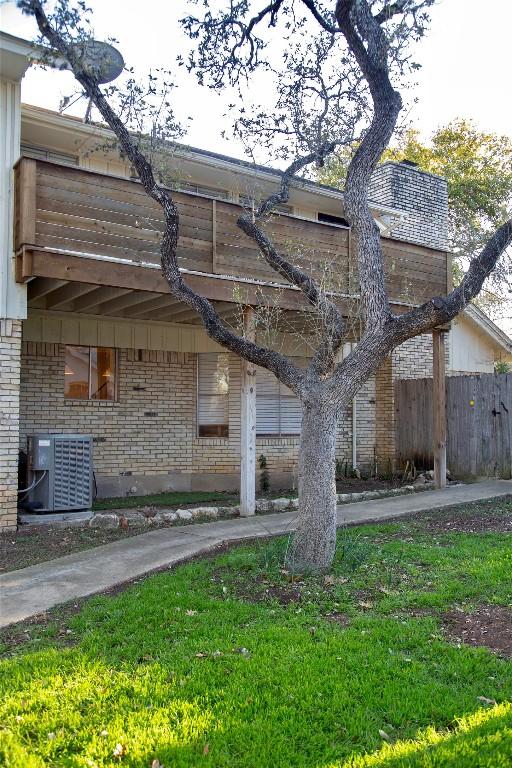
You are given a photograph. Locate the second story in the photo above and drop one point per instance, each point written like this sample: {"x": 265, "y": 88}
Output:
{"x": 82, "y": 215}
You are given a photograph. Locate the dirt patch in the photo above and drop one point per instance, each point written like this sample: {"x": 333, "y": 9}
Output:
{"x": 38, "y": 544}
{"x": 489, "y": 516}
{"x": 26, "y": 631}
{"x": 34, "y": 544}
{"x": 490, "y": 626}
{"x": 356, "y": 485}
{"x": 337, "y": 618}
{"x": 471, "y": 521}
{"x": 261, "y": 590}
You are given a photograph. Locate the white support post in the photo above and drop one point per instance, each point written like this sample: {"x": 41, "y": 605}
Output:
{"x": 248, "y": 425}
{"x": 439, "y": 408}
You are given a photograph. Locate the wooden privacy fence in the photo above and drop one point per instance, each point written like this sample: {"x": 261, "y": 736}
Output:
{"x": 479, "y": 424}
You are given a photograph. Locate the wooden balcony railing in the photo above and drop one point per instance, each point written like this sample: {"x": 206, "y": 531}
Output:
{"x": 63, "y": 210}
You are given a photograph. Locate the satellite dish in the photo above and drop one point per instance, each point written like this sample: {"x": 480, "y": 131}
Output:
{"x": 100, "y": 60}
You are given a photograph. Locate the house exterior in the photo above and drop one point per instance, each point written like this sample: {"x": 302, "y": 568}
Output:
{"x": 476, "y": 344}
{"x": 92, "y": 342}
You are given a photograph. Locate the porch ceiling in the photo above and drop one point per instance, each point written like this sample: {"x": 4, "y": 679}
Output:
{"x": 45, "y": 293}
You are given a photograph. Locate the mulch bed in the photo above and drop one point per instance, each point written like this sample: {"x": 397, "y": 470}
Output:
{"x": 39, "y": 543}
{"x": 469, "y": 522}
{"x": 356, "y": 485}
{"x": 490, "y": 627}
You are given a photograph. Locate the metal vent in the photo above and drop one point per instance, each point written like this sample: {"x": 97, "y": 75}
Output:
{"x": 72, "y": 479}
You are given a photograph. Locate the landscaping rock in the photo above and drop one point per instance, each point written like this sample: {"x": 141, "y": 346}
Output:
{"x": 184, "y": 514}
{"x": 148, "y": 511}
{"x": 134, "y": 517}
{"x": 227, "y": 511}
{"x": 280, "y": 504}
{"x": 211, "y": 512}
{"x": 263, "y": 505}
{"x": 169, "y": 516}
{"x": 104, "y": 521}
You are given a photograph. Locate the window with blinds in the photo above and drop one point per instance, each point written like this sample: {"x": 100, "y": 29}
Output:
{"x": 278, "y": 410}
{"x": 213, "y": 395}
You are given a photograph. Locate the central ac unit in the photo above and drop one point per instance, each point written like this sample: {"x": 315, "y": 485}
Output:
{"x": 60, "y": 472}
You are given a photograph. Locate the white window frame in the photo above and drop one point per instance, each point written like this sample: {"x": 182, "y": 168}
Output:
{"x": 198, "y": 396}
{"x": 89, "y": 398}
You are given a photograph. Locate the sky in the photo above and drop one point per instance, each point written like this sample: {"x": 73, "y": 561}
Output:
{"x": 466, "y": 64}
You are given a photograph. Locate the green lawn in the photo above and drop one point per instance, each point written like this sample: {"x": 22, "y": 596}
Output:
{"x": 231, "y": 662}
{"x": 170, "y": 499}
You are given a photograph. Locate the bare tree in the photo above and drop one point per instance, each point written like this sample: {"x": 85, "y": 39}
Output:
{"x": 320, "y": 105}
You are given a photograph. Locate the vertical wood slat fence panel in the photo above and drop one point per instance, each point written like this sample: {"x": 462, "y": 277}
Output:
{"x": 479, "y": 424}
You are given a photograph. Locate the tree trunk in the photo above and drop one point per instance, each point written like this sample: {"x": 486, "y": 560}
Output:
{"x": 314, "y": 541}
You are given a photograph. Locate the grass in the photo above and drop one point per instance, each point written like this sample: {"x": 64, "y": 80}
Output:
{"x": 232, "y": 662}
{"x": 170, "y": 499}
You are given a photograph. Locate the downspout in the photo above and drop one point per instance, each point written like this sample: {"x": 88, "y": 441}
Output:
{"x": 354, "y": 433}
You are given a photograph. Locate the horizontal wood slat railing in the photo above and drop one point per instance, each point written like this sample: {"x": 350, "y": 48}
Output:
{"x": 75, "y": 211}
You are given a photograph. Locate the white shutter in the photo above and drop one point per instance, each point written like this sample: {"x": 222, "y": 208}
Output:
{"x": 291, "y": 415}
{"x": 267, "y": 403}
{"x": 278, "y": 410}
{"x": 213, "y": 389}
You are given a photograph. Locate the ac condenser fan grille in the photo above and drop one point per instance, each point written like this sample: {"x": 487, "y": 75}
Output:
{"x": 72, "y": 480}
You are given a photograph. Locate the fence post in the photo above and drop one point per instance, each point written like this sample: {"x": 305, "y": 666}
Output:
{"x": 439, "y": 407}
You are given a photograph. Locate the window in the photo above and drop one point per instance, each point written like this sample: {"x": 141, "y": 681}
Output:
{"x": 278, "y": 410}
{"x": 39, "y": 153}
{"x": 213, "y": 395}
{"x": 90, "y": 373}
{"x": 249, "y": 202}
{"x": 328, "y": 218}
{"x": 202, "y": 190}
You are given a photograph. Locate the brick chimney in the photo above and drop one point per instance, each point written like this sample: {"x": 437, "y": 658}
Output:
{"x": 422, "y": 196}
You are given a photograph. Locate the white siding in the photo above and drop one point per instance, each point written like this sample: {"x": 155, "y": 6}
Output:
{"x": 471, "y": 350}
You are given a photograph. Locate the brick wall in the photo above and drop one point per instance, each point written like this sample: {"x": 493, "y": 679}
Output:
{"x": 150, "y": 432}
{"x": 10, "y": 349}
{"x": 423, "y": 196}
{"x": 146, "y": 431}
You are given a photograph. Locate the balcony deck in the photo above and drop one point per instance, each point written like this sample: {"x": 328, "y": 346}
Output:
{"x": 89, "y": 242}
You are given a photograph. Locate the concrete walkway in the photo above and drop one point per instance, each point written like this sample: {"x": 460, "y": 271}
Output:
{"x": 32, "y": 590}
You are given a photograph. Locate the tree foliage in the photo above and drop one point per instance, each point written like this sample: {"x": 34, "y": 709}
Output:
{"x": 476, "y": 165}
{"x": 478, "y": 169}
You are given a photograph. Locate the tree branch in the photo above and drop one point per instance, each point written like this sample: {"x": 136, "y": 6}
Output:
{"x": 443, "y": 309}
{"x": 284, "y": 370}
{"x": 400, "y": 6}
{"x": 331, "y": 316}
{"x": 311, "y": 6}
